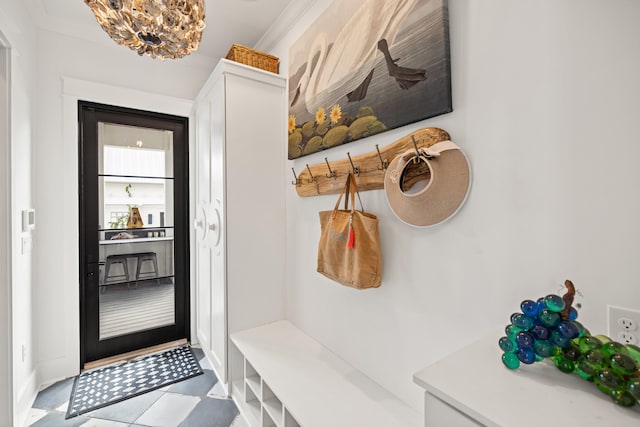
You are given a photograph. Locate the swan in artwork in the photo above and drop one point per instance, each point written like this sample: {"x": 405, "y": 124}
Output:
{"x": 346, "y": 67}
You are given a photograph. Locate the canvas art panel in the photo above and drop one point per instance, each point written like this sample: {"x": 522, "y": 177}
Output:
{"x": 365, "y": 67}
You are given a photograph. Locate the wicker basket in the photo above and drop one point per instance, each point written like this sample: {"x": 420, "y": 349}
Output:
{"x": 253, "y": 58}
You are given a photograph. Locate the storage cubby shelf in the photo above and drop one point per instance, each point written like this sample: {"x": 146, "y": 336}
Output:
{"x": 267, "y": 420}
{"x": 273, "y": 406}
{"x": 289, "y": 421}
{"x": 251, "y": 404}
{"x": 254, "y": 383}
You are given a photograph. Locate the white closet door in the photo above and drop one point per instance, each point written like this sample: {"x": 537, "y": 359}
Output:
{"x": 203, "y": 203}
{"x": 219, "y": 246}
{"x": 210, "y": 252}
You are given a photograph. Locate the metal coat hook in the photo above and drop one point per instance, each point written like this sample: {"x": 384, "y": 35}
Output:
{"x": 332, "y": 174}
{"x": 356, "y": 169}
{"x": 383, "y": 163}
{"x": 313, "y": 179}
{"x": 297, "y": 180}
{"x": 416, "y": 159}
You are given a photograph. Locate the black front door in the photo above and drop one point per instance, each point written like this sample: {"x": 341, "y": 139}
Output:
{"x": 134, "y": 237}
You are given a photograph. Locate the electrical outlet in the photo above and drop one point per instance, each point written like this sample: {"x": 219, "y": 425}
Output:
{"x": 627, "y": 338}
{"x": 627, "y": 324}
{"x": 624, "y": 324}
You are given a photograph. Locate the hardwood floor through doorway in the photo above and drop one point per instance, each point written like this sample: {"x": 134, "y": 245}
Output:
{"x": 125, "y": 308}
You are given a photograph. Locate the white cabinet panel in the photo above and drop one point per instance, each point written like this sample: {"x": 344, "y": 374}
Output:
{"x": 241, "y": 129}
{"x": 437, "y": 413}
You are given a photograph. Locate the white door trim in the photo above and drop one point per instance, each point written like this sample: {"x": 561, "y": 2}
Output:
{"x": 72, "y": 91}
{"x": 6, "y": 359}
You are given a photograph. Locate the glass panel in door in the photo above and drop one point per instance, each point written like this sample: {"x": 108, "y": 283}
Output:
{"x": 135, "y": 229}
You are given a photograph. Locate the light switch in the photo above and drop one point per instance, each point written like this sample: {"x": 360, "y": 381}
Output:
{"x": 28, "y": 219}
{"x": 27, "y": 244}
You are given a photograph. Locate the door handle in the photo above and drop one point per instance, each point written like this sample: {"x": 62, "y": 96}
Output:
{"x": 92, "y": 271}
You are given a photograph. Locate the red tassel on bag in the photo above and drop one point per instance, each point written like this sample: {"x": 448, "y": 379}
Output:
{"x": 352, "y": 239}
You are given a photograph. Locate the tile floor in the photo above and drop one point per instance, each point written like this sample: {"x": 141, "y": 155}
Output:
{"x": 196, "y": 402}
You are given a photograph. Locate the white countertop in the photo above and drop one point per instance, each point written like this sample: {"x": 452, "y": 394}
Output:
{"x": 135, "y": 240}
{"x": 475, "y": 381}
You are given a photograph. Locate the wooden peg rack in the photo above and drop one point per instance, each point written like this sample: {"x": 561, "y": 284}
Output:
{"x": 371, "y": 168}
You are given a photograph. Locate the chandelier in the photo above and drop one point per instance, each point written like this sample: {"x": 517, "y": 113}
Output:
{"x": 158, "y": 28}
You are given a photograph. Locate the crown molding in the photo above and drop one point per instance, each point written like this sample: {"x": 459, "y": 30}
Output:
{"x": 287, "y": 19}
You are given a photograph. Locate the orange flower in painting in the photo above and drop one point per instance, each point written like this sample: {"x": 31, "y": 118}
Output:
{"x": 336, "y": 114}
{"x": 321, "y": 116}
{"x": 292, "y": 123}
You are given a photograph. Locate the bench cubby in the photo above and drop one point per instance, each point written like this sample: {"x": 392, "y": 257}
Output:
{"x": 283, "y": 378}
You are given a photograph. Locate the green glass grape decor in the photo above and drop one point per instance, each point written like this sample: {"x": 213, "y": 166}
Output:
{"x": 547, "y": 329}
{"x": 633, "y": 387}
{"x": 634, "y": 352}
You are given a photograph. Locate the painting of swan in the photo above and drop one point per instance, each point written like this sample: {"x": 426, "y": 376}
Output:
{"x": 363, "y": 57}
{"x": 353, "y": 53}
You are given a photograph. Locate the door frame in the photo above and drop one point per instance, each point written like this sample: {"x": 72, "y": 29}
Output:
{"x": 68, "y": 362}
{"x": 93, "y": 113}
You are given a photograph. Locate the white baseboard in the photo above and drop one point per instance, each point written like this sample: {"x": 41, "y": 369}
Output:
{"x": 51, "y": 371}
{"x": 26, "y": 396}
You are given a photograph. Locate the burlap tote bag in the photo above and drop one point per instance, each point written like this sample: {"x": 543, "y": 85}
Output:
{"x": 349, "y": 249}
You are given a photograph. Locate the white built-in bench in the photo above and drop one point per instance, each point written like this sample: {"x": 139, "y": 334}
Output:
{"x": 282, "y": 377}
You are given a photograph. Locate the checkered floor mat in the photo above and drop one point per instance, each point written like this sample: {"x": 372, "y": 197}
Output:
{"x": 111, "y": 384}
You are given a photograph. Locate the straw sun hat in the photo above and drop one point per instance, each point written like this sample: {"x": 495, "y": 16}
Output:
{"x": 447, "y": 180}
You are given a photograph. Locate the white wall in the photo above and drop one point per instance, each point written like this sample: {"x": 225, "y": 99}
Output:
{"x": 70, "y": 69}
{"x": 5, "y": 239}
{"x": 546, "y": 106}
{"x": 20, "y": 383}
